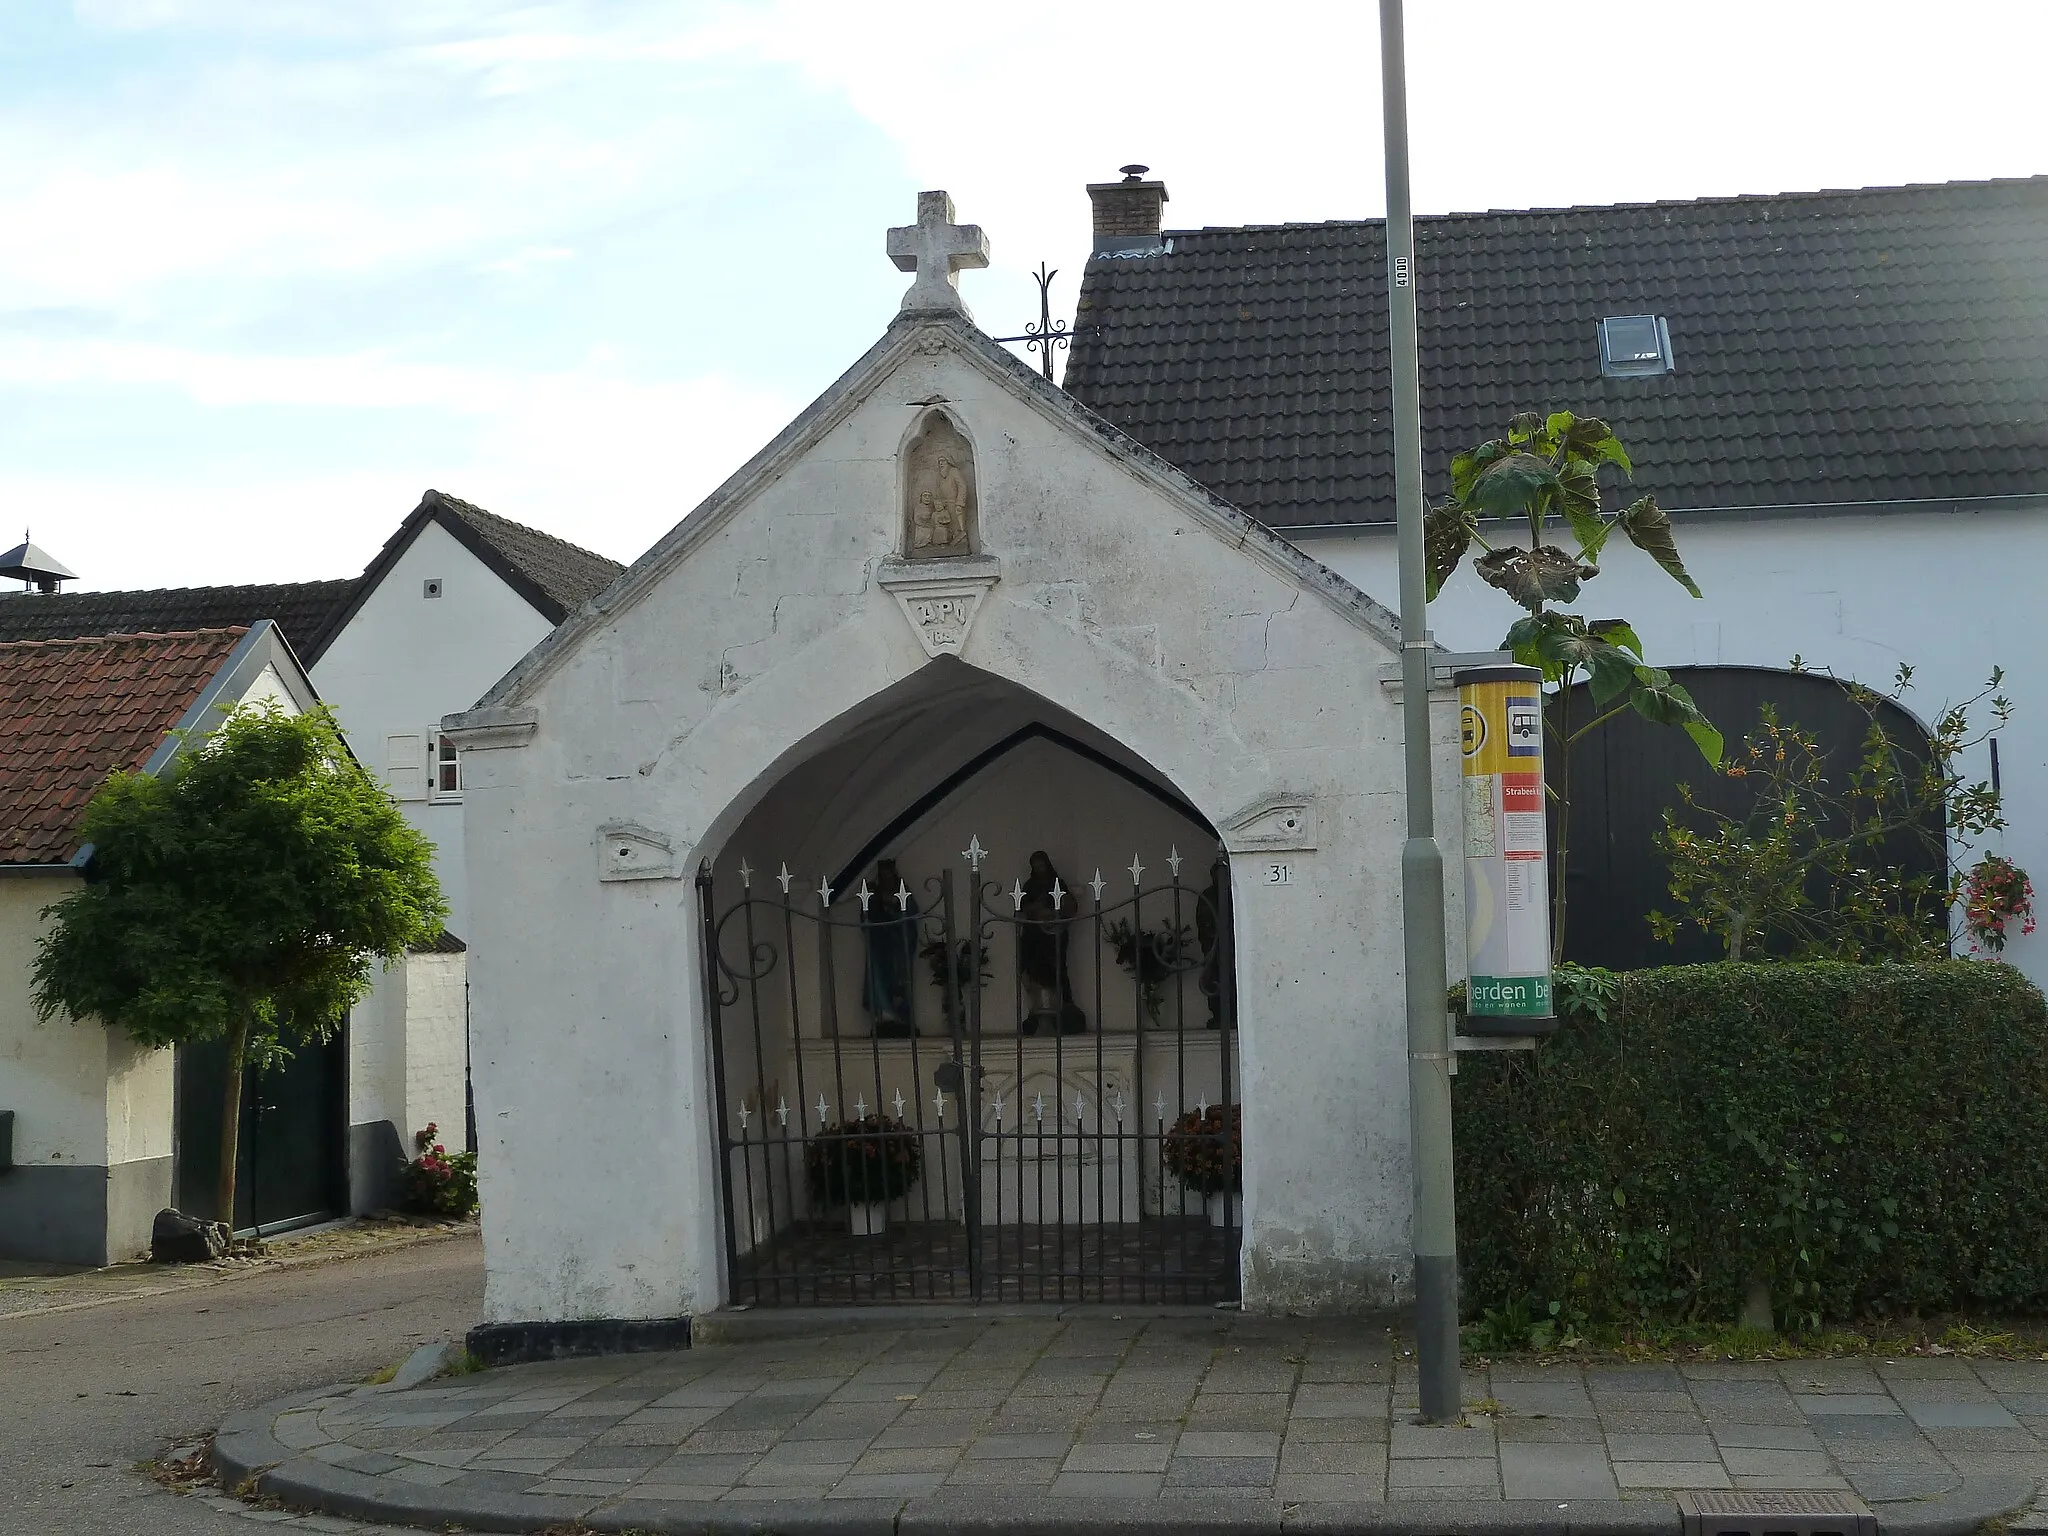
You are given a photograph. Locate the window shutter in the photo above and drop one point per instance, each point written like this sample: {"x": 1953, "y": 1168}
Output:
{"x": 405, "y": 766}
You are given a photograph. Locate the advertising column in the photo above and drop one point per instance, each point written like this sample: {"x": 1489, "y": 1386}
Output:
{"x": 1507, "y": 880}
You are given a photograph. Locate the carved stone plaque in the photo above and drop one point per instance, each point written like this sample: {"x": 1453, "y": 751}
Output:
{"x": 939, "y": 508}
{"x": 940, "y": 600}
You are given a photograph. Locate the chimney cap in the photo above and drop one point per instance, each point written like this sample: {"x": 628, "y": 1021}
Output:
{"x": 1134, "y": 172}
{"x": 25, "y": 562}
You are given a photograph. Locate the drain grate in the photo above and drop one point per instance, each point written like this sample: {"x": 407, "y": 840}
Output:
{"x": 1776, "y": 1514}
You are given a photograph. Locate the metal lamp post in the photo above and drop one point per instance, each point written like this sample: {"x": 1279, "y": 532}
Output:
{"x": 1435, "y": 1224}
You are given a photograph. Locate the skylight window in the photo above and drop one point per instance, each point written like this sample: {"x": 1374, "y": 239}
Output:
{"x": 1632, "y": 346}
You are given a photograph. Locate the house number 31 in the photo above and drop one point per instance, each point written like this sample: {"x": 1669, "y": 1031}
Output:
{"x": 1281, "y": 872}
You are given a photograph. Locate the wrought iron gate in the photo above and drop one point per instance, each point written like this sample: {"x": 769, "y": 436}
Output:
{"x": 918, "y": 1098}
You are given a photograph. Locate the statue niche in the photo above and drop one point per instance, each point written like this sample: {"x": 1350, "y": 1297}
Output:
{"x": 938, "y": 492}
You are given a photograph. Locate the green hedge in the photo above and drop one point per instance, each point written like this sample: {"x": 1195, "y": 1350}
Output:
{"x": 1870, "y": 1139}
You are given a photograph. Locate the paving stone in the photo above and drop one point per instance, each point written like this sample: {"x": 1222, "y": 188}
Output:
{"x": 1793, "y": 1482}
{"x": 911, "y": 1459}
{"x": 1127, "y": 1457}
{"x": 1317, "y": 1459}
{"x": 1436, "y": 1442}
{"x": 1106, "y": 1485}
{"x": 723, "y": 1442}
{"x": 1660, "y": 1447}
{"x": 1744, "y": 1462}
{"x": 1671, "y": 1474}
{"x": 1327, "y": 1488}
{"x": 1565, "y": 1400}
{"x": 431, "y": 1477}
{"x": 906, "y": 1435}
{"x": 1313, "y": 1401}
{"x": 1017, "y": 1447}
{"x": 1549, "y": 1432}
{"x": 1221, "y": 1472}
{"x": 1766, "y": 1437}
{"x": 1985, "y": 1414}
{"x": 1207, "y": 1443}
{"x": 1885, "y": 1483}
{"x": 1458, "y": 1476}
{"x": 686, "y": 1493}
{"x": 1338, "y": 1430}
{"x": 715, "y": 1471}
{"x": 1556, "y": 1472}
{"x": 886, "y": 1485}
{"x": 1239, "y": 1411}
{"x": 1019, "y": 1472}
{"x": 1837, "y": 1405}
{"x": 817, "y": 1452}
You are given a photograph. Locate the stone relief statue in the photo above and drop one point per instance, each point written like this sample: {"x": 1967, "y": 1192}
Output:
{"x": 938, "y": 481}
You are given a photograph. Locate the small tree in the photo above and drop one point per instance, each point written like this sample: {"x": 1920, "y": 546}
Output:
{"x": 241, "y": 896}
{"x": 1546, "y": 471}
{"x": 1814, "y": 862}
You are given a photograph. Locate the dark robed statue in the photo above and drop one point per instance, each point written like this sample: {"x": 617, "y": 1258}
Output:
{"x": 889, "y": 932}
{"x": 1042, "y": 933}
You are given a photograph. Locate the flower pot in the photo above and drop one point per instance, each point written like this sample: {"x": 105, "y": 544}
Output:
{"x": 1226, "y": 1208}
{"x": 869, "y": 1219}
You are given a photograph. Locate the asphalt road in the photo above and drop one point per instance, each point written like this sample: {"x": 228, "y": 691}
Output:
{"x": 85, "y": 1395}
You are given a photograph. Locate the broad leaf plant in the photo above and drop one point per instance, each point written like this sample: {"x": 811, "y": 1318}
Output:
{"x": 1545, "y": 473}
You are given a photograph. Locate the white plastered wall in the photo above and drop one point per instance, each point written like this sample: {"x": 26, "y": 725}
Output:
{"x": 1174, "y": 631}
{"x": 436, "y": 1063}
{"x": 52, "y": 1075}
{"x": 405, "y": 660}
{"x": 1952, "y": 594}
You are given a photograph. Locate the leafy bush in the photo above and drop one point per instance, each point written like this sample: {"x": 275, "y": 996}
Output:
{"x": 1865, "y": 1139}
{"x": 863, "y": 1162}
{"x": 439, "y": 1182}
{"x": 1205, "y": 1149}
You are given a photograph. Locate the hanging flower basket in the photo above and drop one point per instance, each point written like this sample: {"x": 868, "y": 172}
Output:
{"x": 870, "y": 1161}
{"x": 1998, "y": 899}
{"x": 1204, "y": 1150}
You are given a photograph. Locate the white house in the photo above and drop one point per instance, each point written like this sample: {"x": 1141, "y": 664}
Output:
{"x": 89, "y": 1144}
{"x": 1840, "y": 397}
{"x": 453, "y": 599}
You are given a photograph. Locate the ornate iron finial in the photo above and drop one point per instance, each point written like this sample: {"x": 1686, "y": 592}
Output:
{"x": 783, "y": 877}
{"x": 1048, "y": 333}
{"x": 1137, "y": 871}
{"x": 974, "y": 853}
{"x": 825, "y": 891}
{"x": 746, "y": 875}
{"x": 1017, "y": 894}
{"x": 1059, "y": 893}
{"x": 1098, "y": 885}
{"x": 1173, "y": 861}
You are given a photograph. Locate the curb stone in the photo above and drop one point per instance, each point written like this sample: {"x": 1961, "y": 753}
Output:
{"x": 246, "y": 1448}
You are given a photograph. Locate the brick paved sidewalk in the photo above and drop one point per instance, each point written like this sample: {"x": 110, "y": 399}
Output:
{"x": 1105, "y": 1409}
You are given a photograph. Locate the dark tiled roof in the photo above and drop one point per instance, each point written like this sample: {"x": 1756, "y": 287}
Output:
{"x": 550, "y": 573}
{"x": 443, "y": 943}
{"x": 74, "y": 711}
{"x": 566, "y": 573}
{"x": 299, "y": 608}
{"x": 1831, "y": 347}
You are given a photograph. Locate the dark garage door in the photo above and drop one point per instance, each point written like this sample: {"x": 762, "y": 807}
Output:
{"x": 292, "y": 1141}
{"x": 1626, "y": 773}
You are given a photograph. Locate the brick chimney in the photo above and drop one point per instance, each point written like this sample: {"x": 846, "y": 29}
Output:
{"x": 1128, "y": 213}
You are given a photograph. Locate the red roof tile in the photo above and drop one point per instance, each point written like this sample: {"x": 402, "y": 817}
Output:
{"x": 74, "y": 711}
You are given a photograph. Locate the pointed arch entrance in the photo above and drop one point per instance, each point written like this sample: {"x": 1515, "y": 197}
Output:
{"x": 969, "y": 983}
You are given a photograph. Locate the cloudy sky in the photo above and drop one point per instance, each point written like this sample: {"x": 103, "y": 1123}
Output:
{"x": 269, "y": 268}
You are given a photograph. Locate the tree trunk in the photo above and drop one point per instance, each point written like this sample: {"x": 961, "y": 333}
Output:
{"x": 231, "y": 1122}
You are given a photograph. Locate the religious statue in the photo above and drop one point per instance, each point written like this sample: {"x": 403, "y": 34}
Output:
{"x": 939, "y": 492}
{"x": 1042, "y": 930}
{"x": 889, "y": 933}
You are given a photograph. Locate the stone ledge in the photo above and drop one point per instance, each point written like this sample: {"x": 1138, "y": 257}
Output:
{"x": 517, "y": 1343}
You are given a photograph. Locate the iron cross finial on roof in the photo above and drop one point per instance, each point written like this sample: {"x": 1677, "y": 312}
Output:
{"x": 936, "y": 249}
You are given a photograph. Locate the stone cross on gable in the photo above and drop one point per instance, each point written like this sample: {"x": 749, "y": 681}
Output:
{"x": 936, "y": 249}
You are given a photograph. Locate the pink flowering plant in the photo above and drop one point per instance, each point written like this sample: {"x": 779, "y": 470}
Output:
{"x": 1997, "y": 897}
{"x": 439, "y": 1182}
